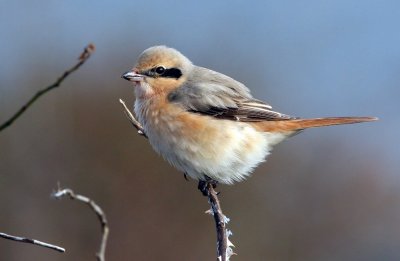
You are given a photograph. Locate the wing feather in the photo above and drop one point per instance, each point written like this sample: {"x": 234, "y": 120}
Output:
{"x": 211, "y": 93}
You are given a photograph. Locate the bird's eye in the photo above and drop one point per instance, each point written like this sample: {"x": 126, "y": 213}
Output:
{"x": 160, "y": 70}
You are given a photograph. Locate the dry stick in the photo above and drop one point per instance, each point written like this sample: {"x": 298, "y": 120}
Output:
{"x": 220, "y": 223}
{"x": 32, "y": 241}
{"x": 82, "y": 59}
{"x": 224, "y": 250}
{"x": 97, "y": 210}
{"x": 132, "y": 119}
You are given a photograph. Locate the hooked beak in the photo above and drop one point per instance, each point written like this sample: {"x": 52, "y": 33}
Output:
{"x": 132, "y": 76}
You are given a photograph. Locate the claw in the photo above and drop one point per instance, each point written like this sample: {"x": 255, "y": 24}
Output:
{"x": 203, "y": 187}
{"x": 211, "y": 181}
{"x": 185, "y": 176}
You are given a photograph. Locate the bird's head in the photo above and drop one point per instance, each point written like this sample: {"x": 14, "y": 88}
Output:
{"x": 159, "y": 69}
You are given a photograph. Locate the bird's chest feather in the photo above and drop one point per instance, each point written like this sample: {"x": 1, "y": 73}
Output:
{"x": 172, "y": 130}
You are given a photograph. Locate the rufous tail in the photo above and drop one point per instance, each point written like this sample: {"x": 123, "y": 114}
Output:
{"x": 300, "y": 124}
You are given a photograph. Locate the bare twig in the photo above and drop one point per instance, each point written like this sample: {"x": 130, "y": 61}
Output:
{"x": 224, "y": 245}
{"x": 32, "y": 241}
{"x": 82, "y": 59}
{"x": 135, "y": 123}
{"x": 97, "y": 210}
{"x": 222, "y": 237}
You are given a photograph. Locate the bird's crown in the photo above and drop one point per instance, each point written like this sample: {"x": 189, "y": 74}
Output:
{"x": 163, "y": 61}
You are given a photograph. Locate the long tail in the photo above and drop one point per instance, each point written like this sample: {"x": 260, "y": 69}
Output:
{"x": 300, "y": 124}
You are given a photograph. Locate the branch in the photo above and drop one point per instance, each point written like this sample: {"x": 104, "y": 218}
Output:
{"x": 224, "y": 245}
{"x": 32, "y": 241}
{"x": 97, "y": 210}
{"x": 135, "y": 123}
{"x": 82, "y": 59}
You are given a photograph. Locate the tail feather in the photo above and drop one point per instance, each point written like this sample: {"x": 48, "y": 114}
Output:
{"x": 300, "y": 124}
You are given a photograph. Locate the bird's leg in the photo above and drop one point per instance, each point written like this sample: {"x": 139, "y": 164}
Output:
{"x": 211, "y": 181}
{"x": 185, "y": 176}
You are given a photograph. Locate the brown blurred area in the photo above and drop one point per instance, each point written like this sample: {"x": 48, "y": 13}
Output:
{"x": 325, "y": 194}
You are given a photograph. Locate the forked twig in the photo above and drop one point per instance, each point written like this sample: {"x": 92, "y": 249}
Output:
{"x": 97, "y": 210}
{"x": 82, "y": 59}
{"x": 32, "y": 241}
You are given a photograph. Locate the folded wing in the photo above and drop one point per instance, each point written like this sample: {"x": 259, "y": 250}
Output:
{"x": 211, "y": 93}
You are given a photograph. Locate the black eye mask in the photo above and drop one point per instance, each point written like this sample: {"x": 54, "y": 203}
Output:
{"x": 161, "y": 71}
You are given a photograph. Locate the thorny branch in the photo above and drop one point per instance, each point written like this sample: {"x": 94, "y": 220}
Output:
{"x": 32, "y": 241}
{"x": 224, "y": 250}
{"x": 89, "y": 49}
{"x": 97, "y": 210}
{"x": 224, "y": 246}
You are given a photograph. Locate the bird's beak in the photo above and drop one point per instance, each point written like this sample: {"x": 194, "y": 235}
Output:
{"x": 132, "y": 76}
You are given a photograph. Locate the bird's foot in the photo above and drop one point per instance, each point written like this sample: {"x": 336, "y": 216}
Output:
{"x": 203, "y": 185}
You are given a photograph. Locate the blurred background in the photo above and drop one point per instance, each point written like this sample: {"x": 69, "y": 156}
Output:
{"x": 326, "y": 194}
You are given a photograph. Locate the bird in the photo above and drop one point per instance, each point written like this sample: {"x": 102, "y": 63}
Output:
{"x": 205, "y": 123}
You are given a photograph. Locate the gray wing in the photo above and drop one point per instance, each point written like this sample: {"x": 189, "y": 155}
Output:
{"x": 211, "y": 93}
